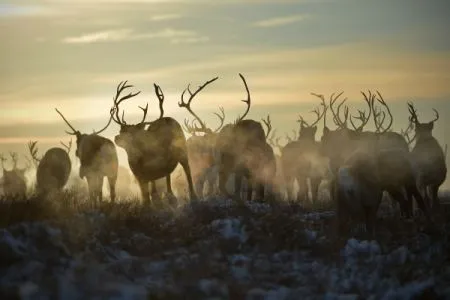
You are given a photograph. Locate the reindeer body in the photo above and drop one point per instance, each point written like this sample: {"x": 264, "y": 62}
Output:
{"x": 358, "y": 191}
{"x": 98, "y": 159}
{"x": 429, "y": 164}
{"x": 203, "y": 161}
{"x": 301, "y": 161}
{"x": 53, "y": 171}
{"x": 154, "y": 153}
{"x": 243, "y": 150}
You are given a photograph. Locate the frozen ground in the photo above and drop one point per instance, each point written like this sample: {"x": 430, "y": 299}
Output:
{"x": 214, "y": 250}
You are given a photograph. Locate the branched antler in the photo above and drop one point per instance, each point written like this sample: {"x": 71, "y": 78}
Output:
{"x": 114, "y": 112}
{"x": 268, "y": 124}
{"x": 336, "y": 114}
{"x": 413, "y": 113}
{"x": 187, "y": 105}
{"x": 382, "y": 115}
{"x": 362, "y": 114}
{"x": 32, "y": 147}
{"x": 406, "y": 133}
{"x": 68, "y": 147}
{"x": 275, "y": 141}
{"x": 74, "y": 131}
{"x": 221, "y": 117}
{"x": 325, "y": 107}
{"x": 14, "y": 158}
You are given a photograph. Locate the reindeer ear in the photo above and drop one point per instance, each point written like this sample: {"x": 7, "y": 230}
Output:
{"x": 430, "y": 126}
{"x": 326, "y": 130}
{"x": 314, "y": 129}
{"x": 141, "y": 126}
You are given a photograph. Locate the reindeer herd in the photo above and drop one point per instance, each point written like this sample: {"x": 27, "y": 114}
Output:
{"x": 359, "y": 165}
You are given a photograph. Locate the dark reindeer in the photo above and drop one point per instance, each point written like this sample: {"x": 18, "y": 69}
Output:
{"x": 301, "y": 159}
{"x": 154, "y": 152}
{"x": 14, "y": 181}
{"x": 243, "y": 150}
{"x": 98, "y": 159}
{"x": 201, "y": 150}
{"x": 53, "y": 169}
{"x": 428, "y": 159}
{"x": 381, "y": 147}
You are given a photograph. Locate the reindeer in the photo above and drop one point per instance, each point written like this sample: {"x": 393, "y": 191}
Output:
{"x": 202, "y": 155}
{"x": 301, "y": 159}
{"x": 428, "y": 159}
{"x": 391, "y": 155}
{"x": 14, "y": 181}
{"x": 154, "y": 152}
{"x": 243, "y": 150}
{"x": 53, "y": 169}
{"x": 358, "y": 191}
{"x": 98, "y": 159}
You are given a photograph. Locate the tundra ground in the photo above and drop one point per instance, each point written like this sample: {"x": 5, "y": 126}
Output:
{"x": 70, "y": 249}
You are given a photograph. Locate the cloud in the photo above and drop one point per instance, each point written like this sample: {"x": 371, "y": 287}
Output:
{"x": 192, "y": 40}
{"x": 166, "y": 17}
{"x": 121, "y": 35}
{"x": 12, "y": 10}
{"x": 281, "y": 21}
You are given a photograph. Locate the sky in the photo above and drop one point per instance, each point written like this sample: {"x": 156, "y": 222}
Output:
{"x": 72, "y": 54}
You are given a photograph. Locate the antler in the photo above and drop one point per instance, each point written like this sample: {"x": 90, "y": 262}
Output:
{"x": 436, "y": 115}
{"x": 316, "y": 111}
{"x": 187, "y": 105}
{"x": 268, "y": 124}
{"x": 413, "y": 113}
{"x": 221, "y": 117}
{"x": 114, "y": 112}
{"x": 74, "y": 131}
{"x": 2, "y": 160}
{"x": 362, "y": 114}
{"x": 275, "y": 143}
{"x": 405, "y": 133}
{"x": 336, "y": 115}
{"x": 32, "y": 147}
{"x": 68, "y": 146}
{"x": 159, "y": 93}
{"x": 14, "y": 158}
{"x": 378, "y": 124}
{"x": 325, "y": 107}
{"x": 248, "y": 101}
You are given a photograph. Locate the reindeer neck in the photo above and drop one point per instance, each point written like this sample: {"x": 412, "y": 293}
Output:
{"x": 425, "y": 139}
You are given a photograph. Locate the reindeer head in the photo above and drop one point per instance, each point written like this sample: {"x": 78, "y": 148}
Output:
{"x": 80, "y": 137}
{"x": 128, "y": 132}
{"x": 193, "y": 128}
{"x": 421, "y": 129}
{"x": 308, "y": 131}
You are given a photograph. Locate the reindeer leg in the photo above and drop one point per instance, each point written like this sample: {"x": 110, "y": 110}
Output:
{"x": 187, "y": 170}
{"x": 421, "y": 203}
{"x": 238, "y": 177}
{"x": 112, "y": 187}
{"x": 224, "y": 174}
{"x": 171, "y": 197}
{"x": 250, "y": 185}
{"x": 397, "y": 195}
{"x": 156, "y": 197}
{"x": 143, "y": 186}
{"x": 315, "y": 183}
{"x": 302, "y": 196}
{"x": 434, "y": 191}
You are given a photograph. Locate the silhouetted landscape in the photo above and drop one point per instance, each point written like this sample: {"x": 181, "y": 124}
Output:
{"x": 239, "y": 174}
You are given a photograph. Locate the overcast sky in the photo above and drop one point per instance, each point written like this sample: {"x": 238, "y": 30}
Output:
{"x": 72, "y": 55}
